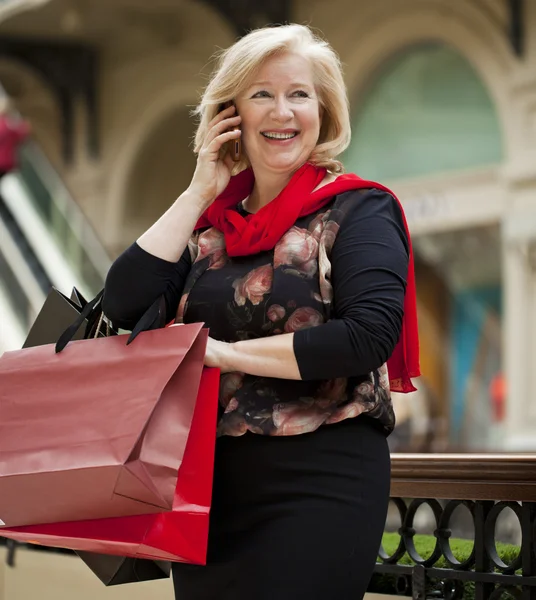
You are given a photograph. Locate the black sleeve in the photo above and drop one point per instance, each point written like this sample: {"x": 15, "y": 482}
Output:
{"x": 369, "y": 262}
{"x": 136, "y": 279}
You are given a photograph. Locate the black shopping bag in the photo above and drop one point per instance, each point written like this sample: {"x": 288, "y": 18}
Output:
{"x": 58, "y": 315}
{"x": 116, "y": 570}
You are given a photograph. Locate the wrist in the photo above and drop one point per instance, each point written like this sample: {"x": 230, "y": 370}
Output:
{"x": 229, "y": 358}
{"x": 192, "y": 196}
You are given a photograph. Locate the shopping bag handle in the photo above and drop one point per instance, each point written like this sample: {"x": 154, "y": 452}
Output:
{"x": 153, "y": 318}
{"x": 69, "y": 333}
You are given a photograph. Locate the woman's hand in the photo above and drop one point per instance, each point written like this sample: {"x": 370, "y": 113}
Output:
{"x": 212, "y": 173}
{"x": 169, "y": 236}
{"x": 218, "y": 355}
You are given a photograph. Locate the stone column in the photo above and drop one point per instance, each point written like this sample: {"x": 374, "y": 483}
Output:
{"x": 519, "y": 330}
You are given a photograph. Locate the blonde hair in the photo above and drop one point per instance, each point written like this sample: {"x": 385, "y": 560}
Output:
{"x": 237, "y": 64}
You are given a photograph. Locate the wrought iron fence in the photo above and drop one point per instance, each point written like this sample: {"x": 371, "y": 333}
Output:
{"x": 486, "y": 485}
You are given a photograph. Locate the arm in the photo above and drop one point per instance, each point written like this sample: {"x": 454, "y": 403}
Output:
{"x": 370, "y": 261}
{"x": 369, "y": 268}
{"x": 265, "y": 357}
{"x": 168, "y": 237}
{"x": 159, "y": 262}
{"x": 136, "y": 279}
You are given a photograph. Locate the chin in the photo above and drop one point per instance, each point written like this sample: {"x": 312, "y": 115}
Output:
{"x": 282, "y": 166}
{"x": 292, "y": 164}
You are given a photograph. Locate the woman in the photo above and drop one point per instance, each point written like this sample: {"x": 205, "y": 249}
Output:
{"x": 300, "y": 272}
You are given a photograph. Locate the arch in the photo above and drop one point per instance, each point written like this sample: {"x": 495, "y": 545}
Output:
{"x": 162, "y": 95}
{"x": 161, "y": 170}
{"x": 426, "y": 113}
{"x": 175, "y": 98}
{"x": 464, "y": 28}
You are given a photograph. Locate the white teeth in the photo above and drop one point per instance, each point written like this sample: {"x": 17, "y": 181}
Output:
{"x": 279, "y": 136}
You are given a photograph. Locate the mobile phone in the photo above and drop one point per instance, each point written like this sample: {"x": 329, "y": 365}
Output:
{"x": 234, "y": 147}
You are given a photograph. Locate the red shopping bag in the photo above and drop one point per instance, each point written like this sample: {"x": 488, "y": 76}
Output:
{"x": 98, "y": 430}
{"x": 179, "y": 535}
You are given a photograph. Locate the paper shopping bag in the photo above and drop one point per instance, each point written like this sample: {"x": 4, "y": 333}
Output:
{"x": 56, "y": 315}
{"x": 180, "y": 534}
{"x": 98, "y": 430}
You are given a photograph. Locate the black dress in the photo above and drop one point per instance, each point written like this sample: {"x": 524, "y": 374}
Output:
{"x": 293, "y": 516}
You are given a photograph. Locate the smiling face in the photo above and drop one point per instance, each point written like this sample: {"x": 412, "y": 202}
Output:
{"x": 280, "y": 114}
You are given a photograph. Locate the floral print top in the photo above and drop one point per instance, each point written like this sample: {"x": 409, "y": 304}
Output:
{"x": 336, "y": 279}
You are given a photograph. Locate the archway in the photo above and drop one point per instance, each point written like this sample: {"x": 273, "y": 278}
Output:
{"x": 161, "y": 171}
{"x": 426, "y": 112}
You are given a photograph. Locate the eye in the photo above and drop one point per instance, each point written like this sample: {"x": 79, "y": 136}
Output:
{"x": 300, "y": 94}
{"x": 261, "y": 94}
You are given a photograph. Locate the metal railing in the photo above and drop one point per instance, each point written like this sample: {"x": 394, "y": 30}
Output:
{"x": 486, "y": 485}
{"x": 64, "y": 218}
{"x": 45, "y": 241}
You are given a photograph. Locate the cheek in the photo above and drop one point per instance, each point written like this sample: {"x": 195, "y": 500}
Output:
{"x": 312, "y": 118}
{"x": 314, "y": 123}
{"x": 248, "y": 138}
{"x": 249, "y": 126}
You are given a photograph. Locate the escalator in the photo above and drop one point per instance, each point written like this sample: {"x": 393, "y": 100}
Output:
{"x": 45, "y": 241}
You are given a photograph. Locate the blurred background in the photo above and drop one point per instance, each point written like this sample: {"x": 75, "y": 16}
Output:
{"x": 96, "y": 101}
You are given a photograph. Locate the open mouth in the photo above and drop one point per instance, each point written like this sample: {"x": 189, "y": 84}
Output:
{"x": 272, "y": 135}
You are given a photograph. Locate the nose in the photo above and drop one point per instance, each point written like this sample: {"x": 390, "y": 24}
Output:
{"x": 282, "y": 111}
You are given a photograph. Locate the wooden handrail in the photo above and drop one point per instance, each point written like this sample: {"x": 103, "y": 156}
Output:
{"x": 464, "y": 476}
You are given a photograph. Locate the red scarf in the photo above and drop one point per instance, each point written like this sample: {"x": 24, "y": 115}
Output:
{"x": 261, "y": 231}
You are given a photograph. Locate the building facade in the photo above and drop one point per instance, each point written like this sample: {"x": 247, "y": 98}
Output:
{"x": 443, "y": 97}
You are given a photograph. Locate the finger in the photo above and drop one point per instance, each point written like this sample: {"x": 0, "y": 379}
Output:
{"x": 220, "y": 140}
{"x": 224, "y": 114}
{"x": 221, "y": 127}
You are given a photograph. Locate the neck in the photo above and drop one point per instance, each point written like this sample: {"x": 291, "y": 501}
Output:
{"x": 267, "y": 187}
